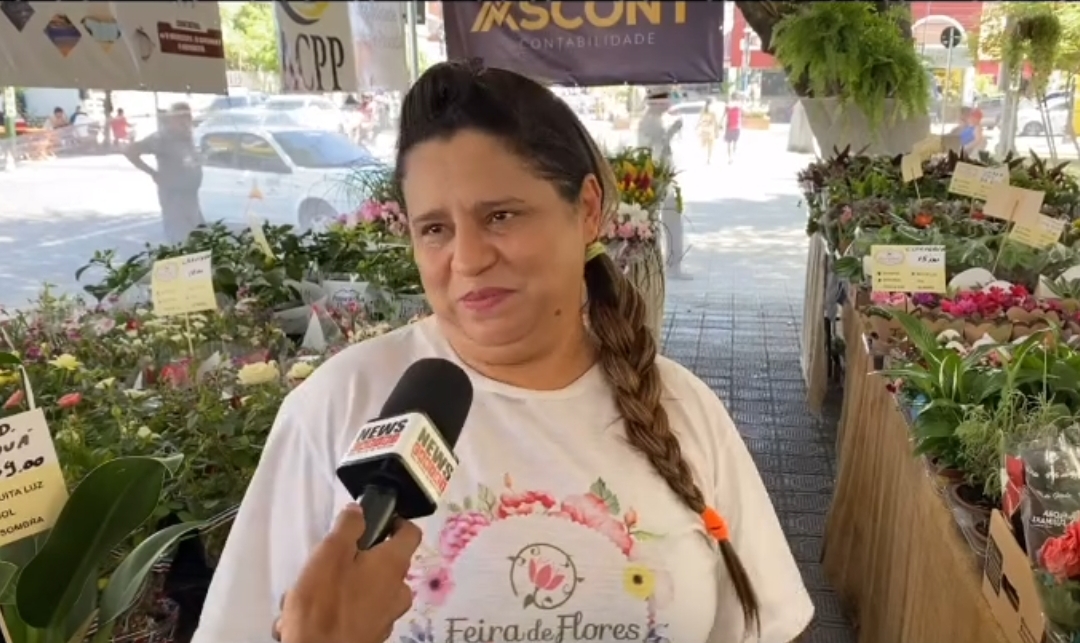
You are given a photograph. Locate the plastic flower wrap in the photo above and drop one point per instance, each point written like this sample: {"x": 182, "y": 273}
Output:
{"x": 642, "y": 180}
{"x": 628, "y": 232}
{"x": 1050, "y": 514}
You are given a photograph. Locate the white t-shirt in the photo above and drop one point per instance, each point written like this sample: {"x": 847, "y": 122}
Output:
{"x": 553, "y": 527}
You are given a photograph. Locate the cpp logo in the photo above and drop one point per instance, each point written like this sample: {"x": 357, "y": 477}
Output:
{"x": 304, "y": 13}
{"x": 312, "y": 57}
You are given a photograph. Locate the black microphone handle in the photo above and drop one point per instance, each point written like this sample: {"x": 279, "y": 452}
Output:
{"x": 379, "y": 504}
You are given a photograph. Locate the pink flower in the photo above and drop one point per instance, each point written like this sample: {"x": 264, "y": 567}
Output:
{"x": 370, "y": 212}
{"x": 458, "y": 531}
{"x": 589, "y": 510}
{"x": 524, "y": 503}
{"x": 70, "y": 400}
{"x": 543, "y": 576}
{"x": 15, "y": 401}
{"x": 434, "y": 587}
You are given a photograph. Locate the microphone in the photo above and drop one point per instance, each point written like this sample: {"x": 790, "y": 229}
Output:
{"x": 400, "y": 463}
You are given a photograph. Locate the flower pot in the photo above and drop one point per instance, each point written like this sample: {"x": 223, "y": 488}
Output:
{"x": 942, "y": 475}
{"x": 293, "y": 320}
{"x": 971, "y": 512}
{"x": 345, "y": 293}
{"x": 405, "y": 307}
{"x": 1000, "y": 332}
{"x": 838, "y": 126}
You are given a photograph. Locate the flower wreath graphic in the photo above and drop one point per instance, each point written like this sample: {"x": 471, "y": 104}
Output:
{"x": 542, "y": 575}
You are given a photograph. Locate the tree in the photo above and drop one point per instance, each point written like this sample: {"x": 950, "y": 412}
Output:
{"x": 762, "y": 17}
{"x": 249, "y": 31}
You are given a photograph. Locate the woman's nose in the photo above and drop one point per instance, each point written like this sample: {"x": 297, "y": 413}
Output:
{"x": 473, "y": 252}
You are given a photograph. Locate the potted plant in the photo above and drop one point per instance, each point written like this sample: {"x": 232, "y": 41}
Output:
{"x": 68, "y": 584}
{"x": 863, "y": 84}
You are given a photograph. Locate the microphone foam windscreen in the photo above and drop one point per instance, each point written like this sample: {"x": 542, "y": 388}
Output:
{"x": 439, "y": 389}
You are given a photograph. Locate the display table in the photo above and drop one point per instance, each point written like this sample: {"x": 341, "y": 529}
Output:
{"x": 894, "y": 555}
{"x": 814, "y": 357}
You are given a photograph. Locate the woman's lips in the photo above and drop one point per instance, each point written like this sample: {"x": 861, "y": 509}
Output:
{"x": 485, "y": 299}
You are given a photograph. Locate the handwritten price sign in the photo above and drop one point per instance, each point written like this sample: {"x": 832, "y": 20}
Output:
{"x": 32, "y": 489}
{"x": 183, "y": 285}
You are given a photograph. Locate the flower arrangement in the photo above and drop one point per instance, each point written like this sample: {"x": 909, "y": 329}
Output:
{"x": 383, "y": 218}
{"x": 381, "y": 212}
{"x": 643, "y": 185}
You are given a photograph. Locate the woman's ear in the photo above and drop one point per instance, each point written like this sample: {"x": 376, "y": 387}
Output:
{"x": 591, "y": 203}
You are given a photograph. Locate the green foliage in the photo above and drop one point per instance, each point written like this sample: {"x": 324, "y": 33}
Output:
{"x": 249, "y": 30}
{"x": 850, "y": 51}
{"x": 1046, "y": 34}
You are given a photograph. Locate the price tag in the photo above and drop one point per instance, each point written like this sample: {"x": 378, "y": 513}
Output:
{"x": 975, "y": 181}
{"x": 259, "y": 235}
{"x": 1012, "y": 203}
{"x": 908, "y": 268}
{"x": 32, "y": 488}
{"x": 183, "y": 285}
{"x": 910, "y": 168}
{"x": 1041, "y": 232}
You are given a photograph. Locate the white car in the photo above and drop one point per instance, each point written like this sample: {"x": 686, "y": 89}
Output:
{"x": 1029, "y": 119}
{"x": 304, "y": 175}
{"x": 311, "y": 111}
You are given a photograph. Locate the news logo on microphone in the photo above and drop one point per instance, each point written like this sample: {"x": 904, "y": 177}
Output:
{"x": 412, "y": 440}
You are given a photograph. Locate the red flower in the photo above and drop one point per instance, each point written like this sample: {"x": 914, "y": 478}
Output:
{"x": 1061, "y": 556}
{"x": 70, "y": 400}
{"x": 177, "y": 373}
{"x": 923, "y": 220}
{"x": 544, "y": 577}
{"x": 978, "y": 215}
{"x": 15, "y": 401}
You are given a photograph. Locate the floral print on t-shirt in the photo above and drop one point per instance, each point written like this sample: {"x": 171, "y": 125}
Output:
{"x": 525, "y": 565}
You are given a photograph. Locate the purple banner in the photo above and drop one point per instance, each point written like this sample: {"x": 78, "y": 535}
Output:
{"x": 592, "y": 43}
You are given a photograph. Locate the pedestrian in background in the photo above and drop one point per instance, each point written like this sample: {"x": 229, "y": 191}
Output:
{"x": 178, "y": 172}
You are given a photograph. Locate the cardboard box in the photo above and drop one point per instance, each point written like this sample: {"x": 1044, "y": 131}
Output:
{"x": 1009, "y": 585}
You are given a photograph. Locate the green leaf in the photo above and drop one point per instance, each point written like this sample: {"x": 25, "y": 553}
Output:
{"x": 468, "y": 503}
{"x": 112, "y": 501}
{"x": 7, "y": 359}
{"x": 610, "y": 500}
{"x": 8, "y": 572}
{"x": 488, "y": 500}
{"x": 127, "y": 579}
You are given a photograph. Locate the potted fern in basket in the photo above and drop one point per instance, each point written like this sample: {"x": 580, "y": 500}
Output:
{"x": 66, "y": 586}
{"x": 861, "y": 81}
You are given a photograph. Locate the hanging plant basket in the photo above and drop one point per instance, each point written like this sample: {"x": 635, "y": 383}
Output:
{"x": 1035, "y": 39}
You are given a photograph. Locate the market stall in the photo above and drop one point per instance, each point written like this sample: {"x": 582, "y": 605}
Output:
{"x": 961, "y": 342}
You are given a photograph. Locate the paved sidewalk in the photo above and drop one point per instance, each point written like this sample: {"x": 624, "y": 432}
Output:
{"x": 736, "y": 325}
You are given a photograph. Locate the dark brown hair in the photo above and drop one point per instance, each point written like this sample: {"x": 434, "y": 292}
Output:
{"x": 539, "y": 127}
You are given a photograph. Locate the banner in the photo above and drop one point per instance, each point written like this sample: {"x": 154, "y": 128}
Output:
{"x": 378, "y": 30}
{"x": 315, "y": 44}
{"x": 592, "y": 43}
{"x": 153, "y": 46}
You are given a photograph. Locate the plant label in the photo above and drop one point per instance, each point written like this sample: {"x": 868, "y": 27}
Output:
{"x": 32, "y": 488}
{"x": 975, "y": 181}
{"x": 259, "y": 236}
{"x": 910, "y": 168}
{"x": 1042, "y": 232}
{"x": 183, "y": 285}
{"x": 927, "y": 147}
{"x": 1011, "y": 203}
{"x": 910, "y": 269}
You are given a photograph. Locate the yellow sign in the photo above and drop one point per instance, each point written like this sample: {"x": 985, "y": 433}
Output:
{"x": 975, "y": 181}
{"x": 927, "y": 147}
{"x": 910, "y": 168}
{"x": 32, "y": 488}
{"x": 259, "y": 235}
{"x": 908, "y": 268}
{"x": 1012, "y": 203}
{"x": 183, "y": 285}
{"x": 536, "y": 16}
{"x": 1041, "y": 232}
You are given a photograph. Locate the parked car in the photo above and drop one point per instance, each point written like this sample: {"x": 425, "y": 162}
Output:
{"x": 312, "y": 111}
{"x": 247, "y": 117}
{"x": 1029, "y": 119}
{"x": 303, "y": 174}
{"x": 222, "y": 103}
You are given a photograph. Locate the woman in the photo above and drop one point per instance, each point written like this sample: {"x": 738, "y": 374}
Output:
{"x": 603, "y": 493}
{"x": 733, "y": 126}
{"x": 708, "y": 128}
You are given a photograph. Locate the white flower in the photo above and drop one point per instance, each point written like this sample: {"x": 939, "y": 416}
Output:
{"x": 633, "y": 213}
{"x": 258, "y": 373}
{"x": 958, "y": 347}
{"x": 985, "y": 340}
{"x": 948, "y": 335}
{"x": 300, "y": 371}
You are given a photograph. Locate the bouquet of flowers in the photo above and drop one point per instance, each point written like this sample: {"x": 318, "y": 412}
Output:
{"x": 381, "y": 212}
{"x": 643, "y": 185}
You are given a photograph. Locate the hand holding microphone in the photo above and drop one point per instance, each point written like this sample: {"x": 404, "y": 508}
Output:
{"x": 348, "y": 596}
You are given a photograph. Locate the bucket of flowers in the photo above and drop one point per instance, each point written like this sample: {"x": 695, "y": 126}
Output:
{"x": 643, "y": 185}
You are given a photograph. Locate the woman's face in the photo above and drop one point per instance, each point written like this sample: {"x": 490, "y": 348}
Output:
{"x": 501, "y": 254}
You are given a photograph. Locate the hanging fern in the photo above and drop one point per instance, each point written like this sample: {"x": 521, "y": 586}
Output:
{"x": 1035, "y": 38}
{"x": 850, "y": 51}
